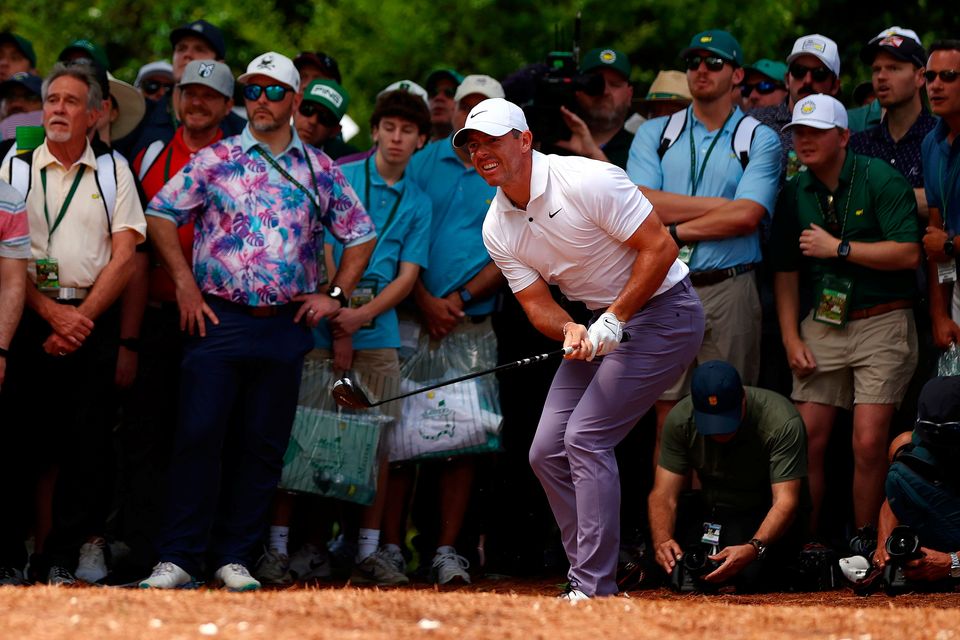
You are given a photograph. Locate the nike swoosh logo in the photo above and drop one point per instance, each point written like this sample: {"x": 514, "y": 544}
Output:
{"x": 474, "y": 115}
{"x": 555, "y": 212}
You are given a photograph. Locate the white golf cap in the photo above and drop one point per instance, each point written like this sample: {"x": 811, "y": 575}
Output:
{"x": 484, "y": 85}
{"x": 273, "y": 65}
{"x": 819, "y": 111}
{"x": 494, "y": 117}
{"x": 209, "y": 73}
{"x": 821, "y": 47}
{"x": 407, "y": 85}
{"x": 160, "y": 67}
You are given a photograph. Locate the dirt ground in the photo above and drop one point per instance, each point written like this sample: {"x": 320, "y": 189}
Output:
{"x": 489, "y": 609}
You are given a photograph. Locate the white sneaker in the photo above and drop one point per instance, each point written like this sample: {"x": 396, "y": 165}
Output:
{"x": 60, "y": 577}
{"x": 273, "y": 568}
{"x": 392, "y": 554}
{"x": 310, "y": 562}
{"x": 450, "y": 566}
{"x": 92, "y": 566}
{"x": 377, "y": 569}
{"x": 166, "y": 575}
{"x": 573, "y": 596}
{"x": 236, "y": 577}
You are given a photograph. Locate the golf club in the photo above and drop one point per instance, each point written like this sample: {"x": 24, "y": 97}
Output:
{"x": 347, "y": 394}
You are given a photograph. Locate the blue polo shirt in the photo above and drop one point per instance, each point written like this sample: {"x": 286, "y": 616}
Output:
{"x": 401, "y": 237}
{"x": 460, "y": 201}
{"x": 723, "y": 177}
{"x": 941, "y": 171}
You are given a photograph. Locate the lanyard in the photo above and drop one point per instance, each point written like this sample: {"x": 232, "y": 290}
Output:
{"x": 366, "y": 201}
{"x": 66, "y": 202}
{"x": 694, "y": 178}
{"x": 846, "y": 208}
{"x": 166, "y": 164}
{"x": 315, "y": 200}
{"x": 951, "y": 181}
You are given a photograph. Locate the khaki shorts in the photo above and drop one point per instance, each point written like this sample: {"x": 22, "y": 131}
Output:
{"x": 868, "y": 361}
{"x": 382, "y": 362}
{"x": 731, "y": 312}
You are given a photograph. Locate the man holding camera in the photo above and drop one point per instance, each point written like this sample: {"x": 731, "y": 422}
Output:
{"x": 748, "y": 447}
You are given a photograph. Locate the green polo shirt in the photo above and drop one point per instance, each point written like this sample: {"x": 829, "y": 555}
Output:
{"x": 769, "y": 447}
{"x": 881, "y": 206}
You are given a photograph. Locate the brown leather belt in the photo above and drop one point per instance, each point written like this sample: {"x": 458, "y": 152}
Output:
{"x": 705, "y": 278}
{"x": 879, "y": 309}
{"x": 270, "y": 311}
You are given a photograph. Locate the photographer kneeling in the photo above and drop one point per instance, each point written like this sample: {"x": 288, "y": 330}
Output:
{"x": 748, "y": 447}
{"x": 923, "y": 486}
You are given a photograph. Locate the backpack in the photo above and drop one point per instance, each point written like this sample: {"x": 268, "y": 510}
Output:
{"x": 742, "y": 138}
{"x": 20, "y": 177}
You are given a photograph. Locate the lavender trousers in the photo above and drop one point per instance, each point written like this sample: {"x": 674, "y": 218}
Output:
{"x": 590, "y": 408}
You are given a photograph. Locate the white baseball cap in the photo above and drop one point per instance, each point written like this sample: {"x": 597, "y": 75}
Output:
{"x": 821, "y": 47}
{"x": 819, "y": 111}
{"x": 494, "y": 117}
{"x": 407, "y": 85}
{"x": 273, "y": 65}
{"x": 484, "y": 85}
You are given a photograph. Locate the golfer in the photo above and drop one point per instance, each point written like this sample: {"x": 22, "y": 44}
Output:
{"x": 581, "y": 224}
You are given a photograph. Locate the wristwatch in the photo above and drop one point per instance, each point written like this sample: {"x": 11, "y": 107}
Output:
{"x": 465, "y": 295}
{"x": 673, "y": 234}
{"x": 337, "y": 294}
{"x": 761, "y": 548}
{"x": 954, "y": 565}
{"x": 843, "y": 250}
{"x": 949, "y": 248}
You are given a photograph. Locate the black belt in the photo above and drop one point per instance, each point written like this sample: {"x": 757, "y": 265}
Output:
{"x": 706, "y": 278}
{"x": 270, "y": 311}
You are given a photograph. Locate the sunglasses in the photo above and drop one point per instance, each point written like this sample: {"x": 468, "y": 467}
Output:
{"x": 324, "y": 116}
{"x": 449, "y": 92}
{"x": 152, "y": 86}
{"x": 947, "y": 75}
{"x": 764, "y": 87}
{"x": 714, "y": 63}
{"x": 819, "y": 74}
{"x": 275, "y": 92}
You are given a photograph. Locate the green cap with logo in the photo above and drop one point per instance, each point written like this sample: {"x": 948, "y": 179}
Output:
{"x": 21, "y": 43}
{"x": 610, "y": 58}
{"x": 773, "y": 69}
{"x": 329, "y": 94}
{"x": 716, "y": 41}
{"x": 85, "y": 49}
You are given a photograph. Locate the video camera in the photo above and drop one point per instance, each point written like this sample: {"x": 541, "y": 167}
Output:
{"x": 903, "y": 545}
{"x": 695, "y": 563}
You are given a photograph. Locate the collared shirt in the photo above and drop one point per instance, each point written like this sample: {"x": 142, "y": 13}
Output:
{"x": 876, "y": 202}
{"x": 82, "y": 244}
{"x": 941, "y": 166}
{"x": 573, "y": 231}
{"x": 777, "y": 117}
{"x": 166, "y": 165}
{"x": 723, "y": 177}
{"x": 903, "y": 154}
{"x": 862, "y": 118}
{"x": 401, "y": 237}
{"x": 14, "y": 229}
{"x": 460, "y": 200}
{"x": 258, "y": 236}
{"x": 769, "y": 447}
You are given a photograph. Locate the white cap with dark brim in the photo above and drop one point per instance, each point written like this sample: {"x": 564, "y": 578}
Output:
{"x": 494, "y": 117}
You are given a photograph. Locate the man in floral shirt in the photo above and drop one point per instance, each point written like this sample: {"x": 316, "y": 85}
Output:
{"x": 260, "y": 202}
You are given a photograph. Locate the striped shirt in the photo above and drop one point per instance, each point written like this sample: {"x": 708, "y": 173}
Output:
{"x": 14, "y": 229}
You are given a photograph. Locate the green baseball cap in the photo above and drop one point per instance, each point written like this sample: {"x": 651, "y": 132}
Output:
{"x": 329, "y": 94}
{"x": 438, "y": 74}
{"x": 719, "y": 42}
{"x": 25, "y": 46}
{"x": 609, "y": 58}
{"x": 88, "y": 50}
{"x": 773, "y": 69}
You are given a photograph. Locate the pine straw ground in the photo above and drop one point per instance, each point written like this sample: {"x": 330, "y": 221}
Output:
{"x": 488, "y": 609}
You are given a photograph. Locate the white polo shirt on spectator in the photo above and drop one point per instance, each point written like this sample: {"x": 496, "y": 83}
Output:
{"x": 572, "y": 233}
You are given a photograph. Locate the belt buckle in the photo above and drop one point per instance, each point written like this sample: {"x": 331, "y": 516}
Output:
{"x": 67, "y": 293}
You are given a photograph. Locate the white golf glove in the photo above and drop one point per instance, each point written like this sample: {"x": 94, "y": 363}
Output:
{"x": 605, "y": 334}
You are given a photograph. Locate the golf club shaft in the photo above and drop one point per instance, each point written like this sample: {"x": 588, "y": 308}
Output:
{"x": 503, "y": 367}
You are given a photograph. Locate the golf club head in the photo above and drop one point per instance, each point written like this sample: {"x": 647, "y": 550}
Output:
{"x": 347, "y": 395}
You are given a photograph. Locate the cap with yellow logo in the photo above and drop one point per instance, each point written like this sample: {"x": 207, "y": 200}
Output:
{"x": 719, "y": 42}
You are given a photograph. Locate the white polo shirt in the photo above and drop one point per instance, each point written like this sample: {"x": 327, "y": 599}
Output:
{"x": 572, "y": 234}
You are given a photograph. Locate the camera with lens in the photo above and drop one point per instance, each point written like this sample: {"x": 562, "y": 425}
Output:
{"x": 695, "y": 563}
{"x": 902, "y": 546}
{"x": 556, "y": 88}
{"x": 816, "y": 570}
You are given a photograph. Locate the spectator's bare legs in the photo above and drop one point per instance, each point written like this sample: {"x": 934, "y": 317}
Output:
{"x": 397, "y": 501}
{"x": 456, "y": 481}
{"x": 871, "y": 427}
{"x": 43, "y": 518}
{"x": 818, "y": 419}
{"x": 372, "y": 516}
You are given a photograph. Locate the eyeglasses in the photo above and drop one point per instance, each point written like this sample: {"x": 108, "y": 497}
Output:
{"x": 324, "y": 116}
{"x": 714, "y": 63}
{"x": 153, "y": 86}
{"x": 764, "y": 87}
{"x": 275, "y": 92}
{"x": 819, "y": 74}
{"x": 947, "y": 75}
{"x": 449, "y": 92}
